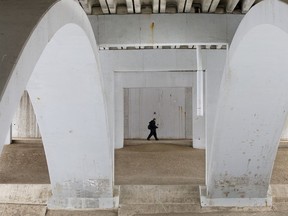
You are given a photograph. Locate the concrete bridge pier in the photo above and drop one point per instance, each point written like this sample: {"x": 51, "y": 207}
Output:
{"x": 56, "y": 59}
{"x": 252, "y": 110}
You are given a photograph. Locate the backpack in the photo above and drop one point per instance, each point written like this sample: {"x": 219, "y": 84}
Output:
{"x": 149, "y": 126}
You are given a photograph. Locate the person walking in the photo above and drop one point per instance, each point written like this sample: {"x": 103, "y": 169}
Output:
{"x": 152, "y": 127}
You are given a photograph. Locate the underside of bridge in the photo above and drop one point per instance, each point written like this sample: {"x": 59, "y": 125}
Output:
{"x": 94, "y": 73}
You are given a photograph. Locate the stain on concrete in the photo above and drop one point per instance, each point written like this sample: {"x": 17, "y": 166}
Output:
{"x": 152, "y": 26}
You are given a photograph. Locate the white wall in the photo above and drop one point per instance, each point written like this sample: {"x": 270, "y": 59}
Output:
{"x": 161, "y": 59}
{"x": 164, "y": 29}
{"x": 167, "y": 105}
{"x": 141, "y": 62}
{"x": 284, "y": 135}
{"x": 24, "y": 124}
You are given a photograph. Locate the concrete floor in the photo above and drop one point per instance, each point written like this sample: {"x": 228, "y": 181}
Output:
{"x": 147, "y": 164}
{"x": 157, "y": 164}
{"x": 152, "y": 163}
{"x": 23, "y": 164}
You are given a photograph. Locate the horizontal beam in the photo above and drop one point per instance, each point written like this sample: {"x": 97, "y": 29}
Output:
{"x": 164, "y": 29}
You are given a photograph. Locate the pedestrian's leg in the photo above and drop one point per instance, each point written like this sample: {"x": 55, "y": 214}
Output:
{"x": 155, "y": 135}
{"x": 148, "y": 138}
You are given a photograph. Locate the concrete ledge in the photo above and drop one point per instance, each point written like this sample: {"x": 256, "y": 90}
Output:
{"x": 157, "y": 208}
{"x": 25, "y": 193}
{"x": 61, "y": 212}
{"x": 83, "y": 203}
{"x": 184, "y": 142}
{"x": 234, "y": 202}
{"x": 22, "y": 210}
{"x": 279, "y": 192}
{"x": 155, "y": 194}
{"x": 283, "y": 144}
{"x": 26, "y": 140}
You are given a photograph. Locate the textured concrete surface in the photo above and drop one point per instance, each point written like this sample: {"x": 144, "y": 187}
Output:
{"x": 151, "y": 164}
{"x": 22, "y": 210}
{"x": 140, "y": 168}
{"x": 82, "y": 213}
{"x": 23, "y": 163}
{"x": 280, "y": 170}
{"x": 25, "y": 193}
{"x": 156, "y": 163}
{"x": 149, "y": 194}
{"x": 184, "y": 199}
{"x": 220, "y": 214}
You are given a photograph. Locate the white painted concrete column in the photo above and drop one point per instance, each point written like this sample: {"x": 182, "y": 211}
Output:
{"x": 252, "y": 110}
{"x": 119, "y": 114}
{"x": 69, "y": 104}
{"x": 216, "y": 62}
{"x": 9, "y": 136}
{"x": 200, "y": 83}
{"x": 56, "y": 58}
{"x": 198, "y": 121}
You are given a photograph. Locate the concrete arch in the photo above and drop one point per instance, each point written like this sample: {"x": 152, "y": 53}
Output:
{"x": 252, "y": 110}
{"x": 66, "y": 92}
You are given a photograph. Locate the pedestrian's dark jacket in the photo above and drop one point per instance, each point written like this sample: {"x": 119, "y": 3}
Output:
{"x": 152, "y": 125}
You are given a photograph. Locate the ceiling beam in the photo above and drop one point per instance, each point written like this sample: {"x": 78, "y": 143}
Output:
{"x": 162, "y": 6}
{"x": 104, "y": 6}
{"x": 246, "y": 5}
{"x": 130, "y": 6}
{"x": 214, "y": 6}
{"x": 112, "y": 6}
{"x": 231, "y": 4}
{"x": 206, "y": 5}
{"x": 156, "y": 6}
{"x": 137, "y": 6}
{"x": 188, "y": 6}
{"x": 87, "y": 5}
{"x": 180, "y": 6}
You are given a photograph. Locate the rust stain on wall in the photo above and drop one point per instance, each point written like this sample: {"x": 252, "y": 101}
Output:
{"x": 152, "y": 26}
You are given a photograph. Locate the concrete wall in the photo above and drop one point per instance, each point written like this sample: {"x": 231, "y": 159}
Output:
{"x": 284, "y": 135}
{"x": 24, "y": 124}
{"x": 141, "y": 63}
{"x": 169, "y": 106}
{"x": 167, "y": 60}
{"x": 149, "y": 30}
{"x": 164, "y": 29}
